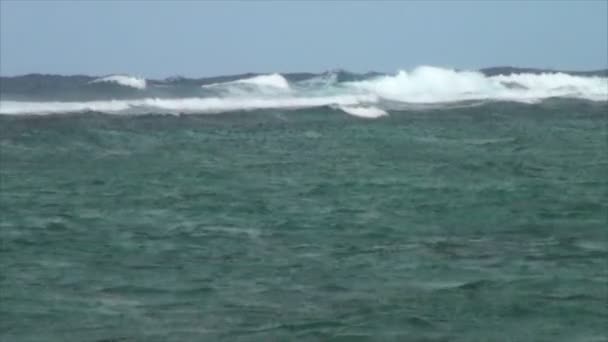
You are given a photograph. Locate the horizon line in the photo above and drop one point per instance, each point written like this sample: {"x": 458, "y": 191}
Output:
{"x": 527, "y": 68}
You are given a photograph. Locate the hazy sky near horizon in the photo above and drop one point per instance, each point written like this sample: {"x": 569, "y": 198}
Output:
{"x": 204, "y": 38}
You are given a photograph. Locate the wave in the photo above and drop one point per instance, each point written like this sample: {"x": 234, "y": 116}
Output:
{"x": 268, "y": 85}
{"x": 435, "y": 85}
{"x": 273, "y": 81}
{"x": 183, "y": 106}
{"x": 368, "y": 95}
{"x": 364, "y": 112}
{"x": 320, "y": 81}
{"x": 276, "y": 81}
{"x": 127, "y": 81}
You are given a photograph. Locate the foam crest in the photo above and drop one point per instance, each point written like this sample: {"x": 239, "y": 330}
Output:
{"x": 428, "y": 85}
{"x": 272, "y": 80}
{"x": 422, "y": 87}
{"x": 185, "y": 105}
{"x": 557, "y": 85}
{"x": 364, "y": 112}
{"x": 436, "y": 85}
{"x": 261, "y": 83}
{"x": 319, "y": 82}
{"x": 127, "y": 81}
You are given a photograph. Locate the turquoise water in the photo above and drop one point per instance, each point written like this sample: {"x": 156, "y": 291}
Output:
{"x": 483, "y": 223}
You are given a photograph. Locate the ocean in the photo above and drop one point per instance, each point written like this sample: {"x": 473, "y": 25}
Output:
{"x": 429, "y": 205}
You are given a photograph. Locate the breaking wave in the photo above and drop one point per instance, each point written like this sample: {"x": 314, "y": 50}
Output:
{"x": 364, "y": 112}
{"x": 436, "y": 85}
{"x": 127, "y": 81}
{"x": 179, "y": 106}
{"x": 273, "y": 81}
{"x": 364, "y": 95}
{"x": 273, "y": 84}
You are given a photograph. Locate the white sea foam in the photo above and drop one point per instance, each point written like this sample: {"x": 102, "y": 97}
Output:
{"x": 272, "y": 85}
{"x": 436, "y": 85}
{"x": 262, "y": 83}
{"x": 128, "y": 81}
{"x": 319, "y": 82}
{"x": 364, "y": 112}
{"x": 423, "y": 86}
{"x": 185, "y": 105}
{"x": 557, "y": 85}
{"x": 272, "y": 80}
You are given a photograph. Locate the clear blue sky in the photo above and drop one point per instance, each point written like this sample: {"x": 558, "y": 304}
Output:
{"x": 203, "y": 38}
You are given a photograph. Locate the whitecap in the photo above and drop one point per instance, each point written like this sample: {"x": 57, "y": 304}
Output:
{"x": 127, "y": 81}
{"x": 364, "y": 112}
{"x": 428, "y": 84}
{"x": 208, "y": 105}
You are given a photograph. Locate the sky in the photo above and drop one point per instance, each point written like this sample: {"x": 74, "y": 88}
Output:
{"x": 205, "y": 38}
